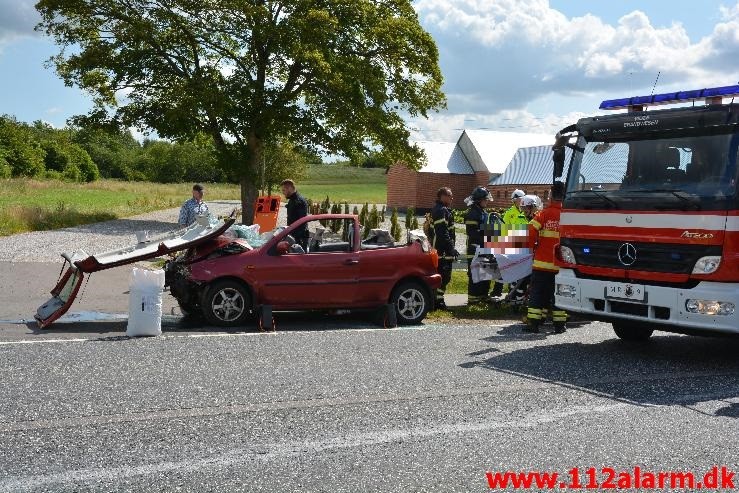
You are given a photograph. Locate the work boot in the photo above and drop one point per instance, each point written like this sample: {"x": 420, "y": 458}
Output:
{"x": 440, "y": 305}
{"x": 560, "y": 328}
{"x": 532, "y": 328}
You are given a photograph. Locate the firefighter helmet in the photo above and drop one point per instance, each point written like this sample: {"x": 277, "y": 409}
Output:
{"x": 481, "y": 193}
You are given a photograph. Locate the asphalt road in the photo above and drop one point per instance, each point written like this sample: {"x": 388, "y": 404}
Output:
{"x": 338, "y": 404}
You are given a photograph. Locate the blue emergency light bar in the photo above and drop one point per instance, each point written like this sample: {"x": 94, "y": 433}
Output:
{"x": 670, "y": 97}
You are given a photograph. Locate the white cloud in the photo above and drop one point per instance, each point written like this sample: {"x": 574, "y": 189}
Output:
{"x": 18, "y": 19}
{"x": 498, "y": 56}
{"x": 448, "y": 127}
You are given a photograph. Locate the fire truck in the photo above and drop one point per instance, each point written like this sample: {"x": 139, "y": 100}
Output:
{"x": 649, "y": 231}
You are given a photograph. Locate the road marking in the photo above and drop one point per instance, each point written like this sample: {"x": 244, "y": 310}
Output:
{"x": 42, "y": 341}
{"x": 239, "y": 334}
{"x": 277, "y": 450}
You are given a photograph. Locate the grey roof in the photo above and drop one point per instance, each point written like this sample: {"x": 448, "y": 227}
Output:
{"x": 494, "y": 149}
{"x": 530, "y": 166}
{"x": 444, "y": 157}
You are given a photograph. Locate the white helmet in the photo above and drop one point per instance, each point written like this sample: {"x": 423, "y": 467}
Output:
{"x": 517, "y": 194}
{"x": 530, "y": 200}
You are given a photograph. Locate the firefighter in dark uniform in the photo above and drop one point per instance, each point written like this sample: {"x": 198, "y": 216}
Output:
{"x": 297, "y": 207}
{"x": 544, "y": 236}
{"x": 474, "y": 221}
{"x": 444, "y": 240}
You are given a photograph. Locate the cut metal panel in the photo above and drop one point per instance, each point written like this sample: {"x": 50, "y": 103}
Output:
{"x": 65, "y": 292}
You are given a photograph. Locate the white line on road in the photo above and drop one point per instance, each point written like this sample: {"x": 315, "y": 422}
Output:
{"x": 270, "y": 451}
{"x": 240, "y": 334}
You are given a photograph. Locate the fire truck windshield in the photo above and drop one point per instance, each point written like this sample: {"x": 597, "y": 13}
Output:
{"x": 691, "y": 172}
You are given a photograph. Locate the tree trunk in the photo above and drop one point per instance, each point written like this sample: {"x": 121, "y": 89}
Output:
{"x": 248, "y": 197}
{"x": 248, "y": 179}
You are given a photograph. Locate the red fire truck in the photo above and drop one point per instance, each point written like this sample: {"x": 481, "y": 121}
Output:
{"x": 649, "y": 232}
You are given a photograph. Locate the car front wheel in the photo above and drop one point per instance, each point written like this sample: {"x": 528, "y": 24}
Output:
{"x": 226, "y": 303}
{"x": 411, "y": 301}
{"x": 629, "y": 331}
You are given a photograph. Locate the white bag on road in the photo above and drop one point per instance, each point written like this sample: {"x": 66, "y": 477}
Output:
{"x": 145, "y": 302}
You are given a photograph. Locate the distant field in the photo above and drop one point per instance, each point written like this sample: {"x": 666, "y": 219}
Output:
{"x": 33, "y": 205}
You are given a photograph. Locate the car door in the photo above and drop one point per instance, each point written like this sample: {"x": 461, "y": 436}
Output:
{"x": 310, "y": 280}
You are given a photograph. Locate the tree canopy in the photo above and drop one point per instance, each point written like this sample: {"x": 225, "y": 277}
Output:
{"x": 334, "y": 75}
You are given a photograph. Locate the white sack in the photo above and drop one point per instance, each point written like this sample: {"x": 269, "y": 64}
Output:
{"x": 145, "y": 302}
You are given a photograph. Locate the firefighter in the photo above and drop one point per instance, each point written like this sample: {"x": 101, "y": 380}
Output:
{"x": 443, "y": 240}
{"x": 544, "y": 235}
{"x": 475, "y": 220}
{"x": 512, "y": 218}
{"x": 514, "y": 215}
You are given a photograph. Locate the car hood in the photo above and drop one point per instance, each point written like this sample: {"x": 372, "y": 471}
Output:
{"x": 80, "y": 263}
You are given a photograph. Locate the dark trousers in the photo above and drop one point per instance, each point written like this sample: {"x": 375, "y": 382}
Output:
{"x": 477, "y": 292}
{"x": 541, "y": 299}
{"x": 445, "y": 269}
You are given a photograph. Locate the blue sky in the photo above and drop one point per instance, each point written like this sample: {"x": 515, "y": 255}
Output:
{"x": 526, "y": 65}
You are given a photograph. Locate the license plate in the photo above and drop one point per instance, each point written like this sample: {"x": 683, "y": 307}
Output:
{"x": 625, "y": 291}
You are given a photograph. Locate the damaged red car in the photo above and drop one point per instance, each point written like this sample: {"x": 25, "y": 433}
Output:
{"x": 227, "y": 279}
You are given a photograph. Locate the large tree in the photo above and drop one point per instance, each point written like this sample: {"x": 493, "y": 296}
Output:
{"x": 334, "y": 75}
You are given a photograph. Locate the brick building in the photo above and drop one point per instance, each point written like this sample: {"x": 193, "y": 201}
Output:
{"x": 477, "y": 157}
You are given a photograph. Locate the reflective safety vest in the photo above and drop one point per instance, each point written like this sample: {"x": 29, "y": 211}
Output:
{"x": 544, "y": 235}
{"x": 514, "y": 215}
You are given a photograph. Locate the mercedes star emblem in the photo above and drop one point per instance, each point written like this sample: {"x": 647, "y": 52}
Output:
{"x": 627, "y": 254}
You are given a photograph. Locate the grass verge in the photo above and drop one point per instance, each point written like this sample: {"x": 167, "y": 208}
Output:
{"x": 36, "y": 205}
{"x": 474, "y": 312}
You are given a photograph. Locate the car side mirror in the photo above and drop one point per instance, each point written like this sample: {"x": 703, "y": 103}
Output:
{"x": 283, "y": 248}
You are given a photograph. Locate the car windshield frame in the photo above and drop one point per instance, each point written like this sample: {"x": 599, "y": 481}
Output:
{"x": 689, "y": 170}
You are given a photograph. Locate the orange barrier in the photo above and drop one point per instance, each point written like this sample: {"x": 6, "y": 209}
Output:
{"x": 266, "y": 209}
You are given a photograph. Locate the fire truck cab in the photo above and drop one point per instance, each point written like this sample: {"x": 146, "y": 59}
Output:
{"x": 649, "y": 231}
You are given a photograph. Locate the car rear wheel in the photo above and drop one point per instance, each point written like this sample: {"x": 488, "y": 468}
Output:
{"x": 411, "y": 301}
{"x": 629, "y": 331}
{"x": 226, "y": 303}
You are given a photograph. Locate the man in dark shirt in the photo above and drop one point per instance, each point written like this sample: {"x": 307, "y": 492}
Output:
{"x": 297, "y": 207}
{"x": 444, "y": 240}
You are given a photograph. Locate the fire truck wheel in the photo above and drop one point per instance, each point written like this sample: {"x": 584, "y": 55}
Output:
{"x": 629, "y": 331}
{"x": 226, "y": 303}
{"x": 411, "y": 301}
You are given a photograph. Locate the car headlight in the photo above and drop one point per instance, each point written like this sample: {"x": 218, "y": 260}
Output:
{"x": 568, "y": 256}
{"x": 707, "y": 265}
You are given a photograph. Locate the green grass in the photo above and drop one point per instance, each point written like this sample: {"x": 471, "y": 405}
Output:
{"x": 36, "y": 205}
{"x": 458, "y": 284}
{"x": 474, "y": 312}
{"x": 345, "y": 184}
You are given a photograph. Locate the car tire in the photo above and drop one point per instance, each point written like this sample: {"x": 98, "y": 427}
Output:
{"x": 226, "y": 303}
{"x": 632, "y": 332}
{"x": 411, "y": 301}
{"x": 189, "y": 309}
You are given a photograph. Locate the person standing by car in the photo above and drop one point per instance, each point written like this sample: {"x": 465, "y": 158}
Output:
{"x": 194, "y": 207}
{"x": 513, "y": 218}
{"x": 544, "y": 235}
{"x": 443, "y": 240}
{"x": 475, "y": 221}
{"x": 297, "y": 207}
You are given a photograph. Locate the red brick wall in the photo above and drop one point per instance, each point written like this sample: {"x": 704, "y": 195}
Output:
{"x": 406, "y": 188}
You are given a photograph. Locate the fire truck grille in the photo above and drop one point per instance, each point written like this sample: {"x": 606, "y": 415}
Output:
{"x": 649, "y": 257}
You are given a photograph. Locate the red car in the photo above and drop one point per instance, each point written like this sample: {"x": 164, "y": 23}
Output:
{"x": 226, "y": 278}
